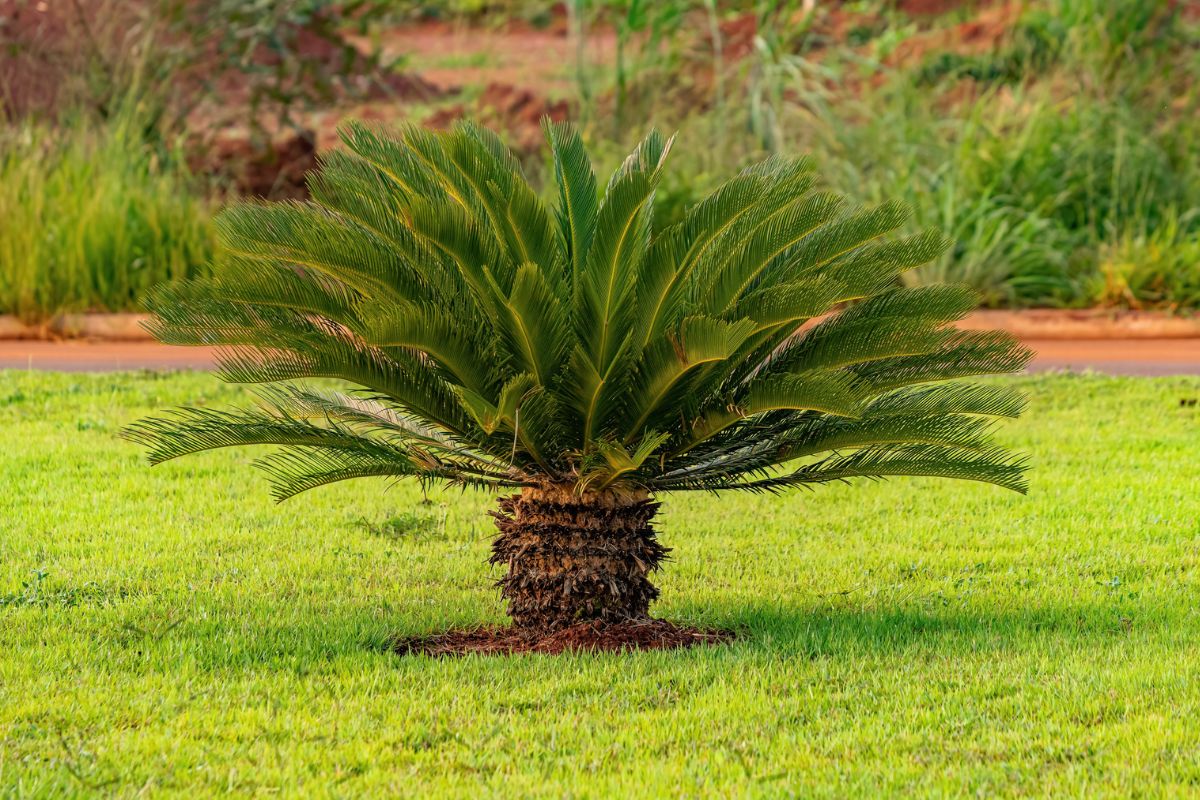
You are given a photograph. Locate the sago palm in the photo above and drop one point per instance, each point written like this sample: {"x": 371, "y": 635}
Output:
{"x": 581, "y": 355}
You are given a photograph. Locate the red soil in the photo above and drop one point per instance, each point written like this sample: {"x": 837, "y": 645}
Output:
{"x": 981, "y": 34}
{"x": 654, "y": 634}
{"x": 275, "y": 170}
{"x": 510, "y": 108}
{"x": 452, "y": 55}
{"x": 932, "y": 7}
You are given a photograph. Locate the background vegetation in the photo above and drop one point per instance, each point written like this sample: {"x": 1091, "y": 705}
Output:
{"x": 1055, "y": 140}
{"x": 93, "y": 216}
{"x": 171, "y": 631}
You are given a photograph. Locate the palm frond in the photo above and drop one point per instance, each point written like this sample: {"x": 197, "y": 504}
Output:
{"x": 193, "y": 430}
{"x": 996, "y": 466}
{"x": 576, "y": 191}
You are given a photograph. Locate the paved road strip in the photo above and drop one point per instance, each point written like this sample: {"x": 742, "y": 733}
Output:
{"x": 1116, "y": 357}
{"x": 1035, "y": 323}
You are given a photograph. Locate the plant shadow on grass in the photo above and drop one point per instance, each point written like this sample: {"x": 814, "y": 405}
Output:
{"x": 818, "y": 632}
{"x": 407, "y": 525}
{"x": 795, "y": 632}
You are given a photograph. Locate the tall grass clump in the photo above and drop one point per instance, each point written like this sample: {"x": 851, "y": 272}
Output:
{"x": 1155, "y": 267}
{"x": 93, "y": 215}
{"x": 1037, "y": 189}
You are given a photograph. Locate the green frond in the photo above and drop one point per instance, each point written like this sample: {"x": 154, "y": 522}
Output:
{"x": 954, "y": 398}
{"x": 293, "y": 470}
{"x": 537, "y": 326}
{"x": 355, "y": 189}
{"x": 790, "y": 303}
{"x": 837, "y": 239}
{"x": 874, "y": 267}
{"x": 193, "y": 430}
{"x": 376, "y": 415}
{"x": 407, "y": 382}
{"x": 649, "y": 157}
{"x": 996, "y": 466}
{"x": 716, "y": 233}
{"x": 541, "y": 436}
{"x": 595, "y": 395}
{"x": 660, "y": 376}
{"x": 494, "y": 145}
{"x": 392, "y": 157}
{"x": 370, "y": 413}
{"x": 503, "y": 413}
{"x": 430, "y": 330}
{"x": 475, "y": 256}
{"x": 833, "y": 393}
{"x": 193, "y": 314}
{"x": 576, "y": 191}
{"x": 536, "y": 241}
{"x": 965, "y": 433}
{"x": 290, "y": 234}
{"x": 462, "y": 182}
{"x": 284, "y": 287}
{"x": 620, "y": 461}
{"x": 608, "y": 281}
{"x": 901, "y": 322}
{"x": 726, "y": 280}
{"x": 490, "y": 181}
{"x": 745, "y": 202}
{"x": 962, "y": 354}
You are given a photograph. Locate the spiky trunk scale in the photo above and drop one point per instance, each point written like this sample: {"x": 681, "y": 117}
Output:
{"x": 576, "y": 557}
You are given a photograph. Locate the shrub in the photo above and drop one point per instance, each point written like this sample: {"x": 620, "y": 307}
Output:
{"x": 585, "y": 356}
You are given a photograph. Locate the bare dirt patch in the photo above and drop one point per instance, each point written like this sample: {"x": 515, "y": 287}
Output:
{"x": 983, "y": 33}
{"x": 273, "y": 170}
{"x": 517, "y": 111}
{"x": 931, "y": 7}
{"x": 653, "y": 634}
{"x": 454, "y": 55}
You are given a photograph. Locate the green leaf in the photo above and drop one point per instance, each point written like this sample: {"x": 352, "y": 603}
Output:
{"x": 577, "y": 192}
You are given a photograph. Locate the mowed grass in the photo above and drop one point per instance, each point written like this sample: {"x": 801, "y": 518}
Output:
{"x": 172, "y": 631}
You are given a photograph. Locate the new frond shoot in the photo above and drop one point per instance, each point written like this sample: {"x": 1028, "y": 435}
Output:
{"x": 581, "y": 358}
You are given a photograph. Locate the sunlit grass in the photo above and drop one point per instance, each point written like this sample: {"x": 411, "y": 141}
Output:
{"x": 172, "y": 630}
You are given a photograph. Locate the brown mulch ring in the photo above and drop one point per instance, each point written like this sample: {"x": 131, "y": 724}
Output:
{"x": 595, "y": 637}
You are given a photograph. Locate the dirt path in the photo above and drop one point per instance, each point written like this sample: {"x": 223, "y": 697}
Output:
{"x": 452, "y": 56}
{"x": 1119, "y": 357}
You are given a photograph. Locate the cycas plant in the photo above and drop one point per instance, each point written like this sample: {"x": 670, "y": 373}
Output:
{"x": 581, "y": 355}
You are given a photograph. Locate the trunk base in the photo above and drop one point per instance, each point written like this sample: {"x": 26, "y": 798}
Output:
{"x": 575, "y": 558}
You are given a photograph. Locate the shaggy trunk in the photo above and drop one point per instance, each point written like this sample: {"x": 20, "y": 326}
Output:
{"x": 573, "y": 557}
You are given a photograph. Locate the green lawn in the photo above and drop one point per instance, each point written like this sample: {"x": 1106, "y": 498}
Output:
{"x": 170, "y": 630}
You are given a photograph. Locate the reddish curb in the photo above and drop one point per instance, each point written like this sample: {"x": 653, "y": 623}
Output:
{"x": 101, "y": 327}
{"x": 1039, "y": 324}
{"x": 1056, "y": 324}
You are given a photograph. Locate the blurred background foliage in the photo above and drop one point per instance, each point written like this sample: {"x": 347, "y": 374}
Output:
{"x": 1054, "y": 140}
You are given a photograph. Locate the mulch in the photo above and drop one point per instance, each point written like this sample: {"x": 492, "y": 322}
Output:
{"x": 596, "y": 637}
